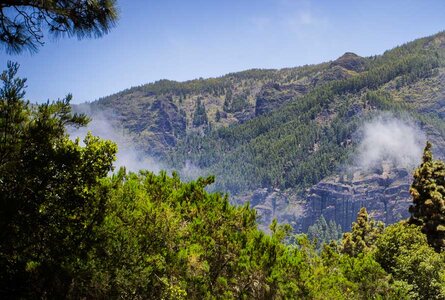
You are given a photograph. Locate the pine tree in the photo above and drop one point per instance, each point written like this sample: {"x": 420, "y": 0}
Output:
{"x": 428, "y": 192}
{"x": 323, "y": 232}
{"x": 200, "y": 115}
{"x": 51, "y": 195}
{"x": 228, "y": 101}
{"x": 363, "y": 235}
{"x": 22, "y": 22}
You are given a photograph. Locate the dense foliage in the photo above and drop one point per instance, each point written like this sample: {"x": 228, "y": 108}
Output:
{"x": 403, "y": 251}
{"x": 51, "y": 196}
{"x": 307, "y": 138}
{"x": 69, "y": 230}
{"x": 323, "y": 232}
{"x": 363, "y": 235}
{"x": 23, "y": 22}
{"x": 428, "y": 191}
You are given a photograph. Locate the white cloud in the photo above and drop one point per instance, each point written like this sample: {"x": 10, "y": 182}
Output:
{"x": 387, "y": 138}
{"x": 128, "y": 155}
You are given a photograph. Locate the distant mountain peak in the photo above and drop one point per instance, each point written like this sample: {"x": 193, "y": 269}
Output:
{"x": 348, "y": 55}
{"x": 350, "y": 61}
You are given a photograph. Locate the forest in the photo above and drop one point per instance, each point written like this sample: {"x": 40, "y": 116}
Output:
{"x": 277, "y": 149}
{"x": 71, "y": 229}
{"x": 73, "y": 226}
{"x": 284, "y": 128}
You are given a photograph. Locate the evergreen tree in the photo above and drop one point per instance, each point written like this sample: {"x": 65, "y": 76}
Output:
{"x": 403, "y": 251}
{"x": 22, "y": 22}
{"x": 51, "y": 196}
{"x": 200, "y": 114}
{"x": 428, "y": 192}
{"x": 363, "y": 235}
{"x": 228, "y": 101}
{"x": 323, "y": 232}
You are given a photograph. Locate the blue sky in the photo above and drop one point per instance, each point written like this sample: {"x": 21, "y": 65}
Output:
{"x": 183, "y": 40}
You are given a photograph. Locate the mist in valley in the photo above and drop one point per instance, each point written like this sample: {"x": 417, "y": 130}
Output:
{"x": 129, "y": 154}
{"x": 388, "y": 139}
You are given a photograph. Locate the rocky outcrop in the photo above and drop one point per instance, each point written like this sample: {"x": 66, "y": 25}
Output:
{"x": 244, "y": 115}
{"x": 384, "y": 193}
{"x": 169, "y": 122}
{"x": 350, "y": 61}
{"x": 331, "y": 74}
{"x": 157, "y": 123}
{"x": 383, "y": 190}
{"x": 342, "y": 68}
{"x": 285, "y": 206}
{"x": 339, "y": 198}
{"x": 273, "y": 95}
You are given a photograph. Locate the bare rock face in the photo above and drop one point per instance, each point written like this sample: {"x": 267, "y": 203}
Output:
{"x": 275, "y": 204}
{"x": 384, "y": 194}
{"x": 170, "y": 122}
{"x": 159, "y": 124}
{"x": 383, "y": 190}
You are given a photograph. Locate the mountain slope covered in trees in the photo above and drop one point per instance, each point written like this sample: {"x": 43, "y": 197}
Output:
{"x": 284, "y": 130}
{"x": 70, "y": 229}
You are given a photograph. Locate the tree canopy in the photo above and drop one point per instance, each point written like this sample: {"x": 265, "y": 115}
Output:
{"x": 23, "y": 22}
{"x": 428, "y": 192}
{"x": 363, "y": 235}
{"x": 71, "y": 230}
{"x": 51, "y": 195}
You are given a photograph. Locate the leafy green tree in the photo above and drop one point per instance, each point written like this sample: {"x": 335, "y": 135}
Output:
{"x": 22, "y": 22}
{"x": 370, "y": 279}
{"x": 165, "y": 239}
{"x": 51, "y": 195}
{"x": 363, "y": 235}
{"x": 403, "y": 251}
{"x": 428, "y": 192}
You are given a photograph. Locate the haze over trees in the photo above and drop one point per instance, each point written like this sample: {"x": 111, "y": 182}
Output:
{"x": 287, "y": 128}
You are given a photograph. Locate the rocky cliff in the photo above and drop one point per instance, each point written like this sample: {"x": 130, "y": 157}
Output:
{"x": 385, "y": 195}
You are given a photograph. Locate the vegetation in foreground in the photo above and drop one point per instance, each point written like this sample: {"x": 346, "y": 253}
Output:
{"x": 70, "y": 230}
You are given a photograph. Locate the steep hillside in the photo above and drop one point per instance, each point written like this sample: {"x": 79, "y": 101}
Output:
{"x": 226, "y": 101}
{"x": 281, "y": 138}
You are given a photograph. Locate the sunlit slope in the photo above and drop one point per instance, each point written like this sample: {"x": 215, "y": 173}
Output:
{"x": 285, "y": 128}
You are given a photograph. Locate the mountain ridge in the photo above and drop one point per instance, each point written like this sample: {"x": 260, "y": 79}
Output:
{"x": 286, "y": 129}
